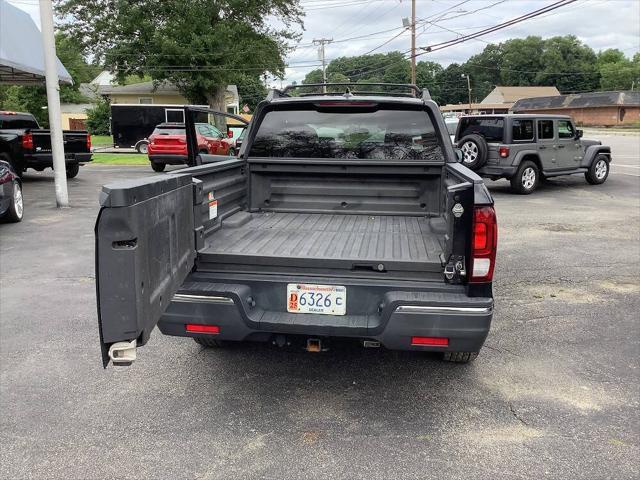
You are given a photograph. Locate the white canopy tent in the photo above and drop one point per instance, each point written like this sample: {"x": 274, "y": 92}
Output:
{"x": 21, "y": 50}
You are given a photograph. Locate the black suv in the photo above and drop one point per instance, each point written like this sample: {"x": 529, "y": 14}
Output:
{"x": 527, "y": 148}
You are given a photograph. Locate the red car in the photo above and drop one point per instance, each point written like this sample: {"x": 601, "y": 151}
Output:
{"x": 168, "y": 144}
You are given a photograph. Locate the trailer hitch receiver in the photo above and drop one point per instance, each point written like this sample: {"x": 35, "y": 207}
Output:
{"x": 123, "y": 353}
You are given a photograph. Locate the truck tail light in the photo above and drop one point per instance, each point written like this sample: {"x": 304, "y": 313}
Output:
{"x": 198, "y": 328}
{"x": 503, "y": 152}
{"x": 27, "y": 141}
{"x": 429, "y": 341}
{"x": 485, "y": 242}
{"x": 89, "y": 141}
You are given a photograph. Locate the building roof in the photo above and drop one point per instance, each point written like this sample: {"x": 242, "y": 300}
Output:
{"x": 453, "y": 107}
{"x": 513, "y": 94}
{"x": 580, "y": 100}
{"x": 138, "y": 88}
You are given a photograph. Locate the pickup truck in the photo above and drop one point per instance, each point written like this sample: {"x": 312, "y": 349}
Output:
{"x": 342, "y": 216}
{"x": 25, "y": 145}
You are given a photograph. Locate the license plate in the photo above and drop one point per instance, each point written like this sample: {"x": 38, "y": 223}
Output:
{"x": 319, "y": 299}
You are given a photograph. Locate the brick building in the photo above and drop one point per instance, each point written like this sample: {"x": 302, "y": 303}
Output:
{"x": 594, "y": 109}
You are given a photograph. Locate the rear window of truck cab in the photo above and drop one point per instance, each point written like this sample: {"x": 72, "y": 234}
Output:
{"x": 376, "y": 133}
{"x": 16, "y": 121}
{"x": 491, "y": 128}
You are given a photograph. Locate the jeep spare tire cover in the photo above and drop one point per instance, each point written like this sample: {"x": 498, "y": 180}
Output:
{"x": 474, "y": 150}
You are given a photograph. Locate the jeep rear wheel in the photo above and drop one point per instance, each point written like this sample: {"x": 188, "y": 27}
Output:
{"x": 598, "y": 171}
{"x": 526, "y": 179}
{"x": 474, "y": 151}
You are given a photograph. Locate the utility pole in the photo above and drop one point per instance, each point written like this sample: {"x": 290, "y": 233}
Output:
{"x": 413, "y": 42}
{"x": 322, "y": 42}
{"x": 469, "y": 88}
{"x": 53, "y": 103}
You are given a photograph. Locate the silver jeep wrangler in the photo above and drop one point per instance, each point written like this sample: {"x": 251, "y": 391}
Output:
{"x": 528, "y": 148}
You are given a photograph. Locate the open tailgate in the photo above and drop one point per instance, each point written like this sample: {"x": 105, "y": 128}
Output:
{"x": 144, "y": 250}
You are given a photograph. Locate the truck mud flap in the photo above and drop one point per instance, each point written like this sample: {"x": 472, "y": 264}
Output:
{"x": 144, "y": 250}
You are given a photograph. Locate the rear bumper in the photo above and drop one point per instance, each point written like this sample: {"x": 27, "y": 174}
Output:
{"x": 169, "y": 159}
{"x": 497, "y": 171}
{"x": 45, "y": 160}
{"x": 399, "y": 316}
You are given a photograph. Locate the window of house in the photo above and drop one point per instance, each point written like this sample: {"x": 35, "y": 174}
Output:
{"x": 145, "y": 100}
{"x": 522, "y": 130}
{"x": 565, "y": 129}
{"x": 545, "y": 129}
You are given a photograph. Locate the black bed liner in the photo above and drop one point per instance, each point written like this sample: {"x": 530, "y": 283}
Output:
{"x": 353, "y": 242}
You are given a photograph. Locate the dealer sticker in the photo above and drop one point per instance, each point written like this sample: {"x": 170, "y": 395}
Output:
{"x": 213, "y": 206}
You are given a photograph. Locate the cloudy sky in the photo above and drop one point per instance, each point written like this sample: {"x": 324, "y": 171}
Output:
{"x": 601, "y": 24}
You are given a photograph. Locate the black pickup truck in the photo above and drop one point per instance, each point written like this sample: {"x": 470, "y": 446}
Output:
{"x": 25, "y": 145}
{"x": 344, "y": 215}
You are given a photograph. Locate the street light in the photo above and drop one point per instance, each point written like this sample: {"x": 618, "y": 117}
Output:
{"x": 469, "y": 88}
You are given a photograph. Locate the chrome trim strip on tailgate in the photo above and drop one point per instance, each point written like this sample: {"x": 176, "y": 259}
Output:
{"x": 444, "y": 310}
{"x": 183, "y": 297}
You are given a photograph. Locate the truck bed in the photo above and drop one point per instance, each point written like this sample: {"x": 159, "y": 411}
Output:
{"x": 352, "y": 242}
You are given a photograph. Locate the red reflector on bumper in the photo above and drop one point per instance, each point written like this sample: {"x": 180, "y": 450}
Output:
{"x": 430, "y": 341}
{"x": 196, "y": 328}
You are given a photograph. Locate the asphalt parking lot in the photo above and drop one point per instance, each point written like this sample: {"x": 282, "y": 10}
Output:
{"x": 554, "y": 393}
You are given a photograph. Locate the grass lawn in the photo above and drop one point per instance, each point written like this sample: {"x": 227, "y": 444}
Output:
{"x": 101, "y": 140}
{"x": 120, "y": 159}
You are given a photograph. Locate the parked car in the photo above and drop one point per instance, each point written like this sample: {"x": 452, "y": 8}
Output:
{"x": 369, "y": 235}
{"x": 452, "y": 126}
{"x": 527, "y": 148}
{"x": 11, "y": 202}
{"x": 25, "y": 145}
{"x": 168, "y": 144}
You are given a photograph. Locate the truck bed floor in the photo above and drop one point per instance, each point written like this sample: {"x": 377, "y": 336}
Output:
{"x": 332, "y": 241}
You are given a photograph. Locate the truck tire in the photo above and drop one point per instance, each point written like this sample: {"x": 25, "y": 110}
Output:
{"x": 72, "y": 170}
{"x": 598, "y": 171}
{"x": 526, "y": 179}
{"x": 474, "y": 150}
{"x": 459, "y": 357}
{"x": 15, "y": 212}
{"x": 209, "y": 342}
{"x": 158, "y": 167}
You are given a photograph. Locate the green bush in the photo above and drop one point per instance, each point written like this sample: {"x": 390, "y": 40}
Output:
{"x": 98, "y": 118}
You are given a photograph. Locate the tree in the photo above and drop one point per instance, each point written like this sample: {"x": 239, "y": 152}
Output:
{"x": 250, "y": 89}
{"x": 617, "y": 72}
{"x": 427, "y": 77}
{"x": 98, "y": 118}
{"x": 569, "y": 65}
{"x": 453, "y": 88}
{"x": 198, "y": 45}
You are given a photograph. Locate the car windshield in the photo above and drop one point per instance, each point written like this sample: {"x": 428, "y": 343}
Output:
{"x": 491, "y": 128}
{"x": 380, "y": 134}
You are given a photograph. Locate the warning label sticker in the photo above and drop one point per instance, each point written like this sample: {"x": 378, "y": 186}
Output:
{"x": 213, "y": 206}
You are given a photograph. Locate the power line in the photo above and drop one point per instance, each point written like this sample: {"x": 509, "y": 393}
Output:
{"x": 513, "y": 21}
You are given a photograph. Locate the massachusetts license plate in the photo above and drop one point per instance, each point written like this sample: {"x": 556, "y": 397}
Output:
{"x": 321, "y": 299}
